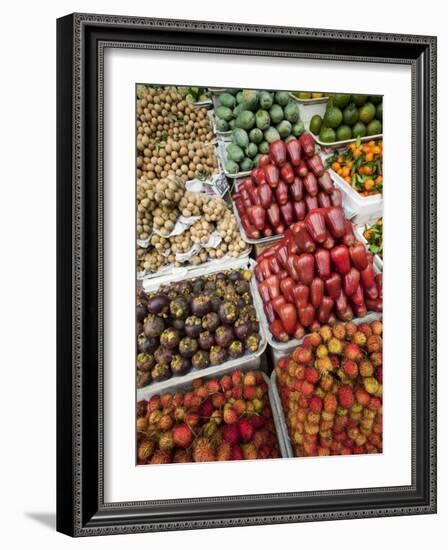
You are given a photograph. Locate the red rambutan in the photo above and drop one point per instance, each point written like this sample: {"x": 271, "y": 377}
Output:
{"x": 161, "y": 457}
{"x": 182, "y": 436}
{"x": 245, "y": 429}
{"x": 350, "y": 368}
{"x": 224, "y": 451}
{"x": 230, "y": 415}
{"x": 230, "y": 433}
{"x": 353, "y": 351}
{"x": 237, "y": 453}
{"x": 345, "y": 397}
{"x": 315, "y": 404}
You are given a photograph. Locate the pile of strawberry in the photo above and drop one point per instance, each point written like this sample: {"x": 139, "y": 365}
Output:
{"x": 218, "y": 419}
{"x": 289, "y": 182}
{"x": 331, "y": 391}
{"x": 316, "y": 274}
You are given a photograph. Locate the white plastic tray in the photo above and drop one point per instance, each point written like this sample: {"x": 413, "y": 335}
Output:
{"x": 359, "y": 232}
{"x": 338, "y": 144}
{"x": 152, "y": 285}
{"x": 311, "y": 101}
{"x": 366, "y": 209}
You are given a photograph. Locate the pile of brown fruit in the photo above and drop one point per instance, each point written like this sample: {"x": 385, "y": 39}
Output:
{"x": 220, "y": 419}
{"x": 194, "y": 324}
{"x": 331, "y": 391}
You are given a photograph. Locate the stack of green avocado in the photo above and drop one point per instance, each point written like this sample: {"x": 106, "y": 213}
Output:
{"x": 256, "y": 119}
{"x": 349, "y": 116}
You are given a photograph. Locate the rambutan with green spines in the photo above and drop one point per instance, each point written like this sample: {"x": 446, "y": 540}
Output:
{"x": 377, "y": 327}
{"x": 182, "y": 436}
{"x": 230, "y": 415}
{"x": 249, "y": 451}
{"x": 141, "y": 424}
{"x": 155, "y": 416}
{"x": 249, "y": 379}
{"x": 259, "y": 391}
{"x": 322, "y": 351}
{"x": 250, "y": 407}
{"x": 166, "y": 442}
{"x": 374, "y": 343}
{"x": 328, "y": 415}
{"x": 325, "y": 332}
{"x": 145, "y": 450}
{"x": 203, "y": 450}
{"x": 258, "y": 405}
{"x": 240, "y": 406}
{"x": 366, "y": 368}
{"x": 335, "y": 346}
{"x": 377, "y": 358}
{"x": 209, "y": 429}
{"x": 217, "y": 416}
{"x": 311, "y": 428}
{"x": 166, "y": 423}
{"x": 356, "y": 408}
{"x": 371, "y": 385}
{"x": 323, "y": 365}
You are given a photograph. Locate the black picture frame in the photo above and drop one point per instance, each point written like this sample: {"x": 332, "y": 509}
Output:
{"x": 81, "y": 40}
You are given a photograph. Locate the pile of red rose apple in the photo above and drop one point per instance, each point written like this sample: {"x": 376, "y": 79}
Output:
{"x": 289, "y": 182}
{"x": 227, "y": 418}
{"x": 331, "y": 391}
{"x": 316, "y": 274}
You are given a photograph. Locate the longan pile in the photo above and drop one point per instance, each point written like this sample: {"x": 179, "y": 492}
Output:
{"x": 185, "y": 159}
{"x": 163, "y": 113}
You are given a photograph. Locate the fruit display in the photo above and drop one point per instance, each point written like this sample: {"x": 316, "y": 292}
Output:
{"x": 290, "y": 181}
{"x": 374, "y": 237}
{"x": 182, "y": 158}
{"x": 218, "y": 170}
{"x": 347, "y": 117}
{"x": 194, "y": 324}
{"x": 331, "y": 391}
{"x": 316, "y": 274}
{"x": 226, "y": 418}
{"x": 361, "y": 166}
{"x": 255, "y": 119}
{"x": 207, "y": 219}
{"x": 163, "y": 113}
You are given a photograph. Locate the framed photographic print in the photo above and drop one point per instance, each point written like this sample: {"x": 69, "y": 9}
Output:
{"x": 237, "y": 342}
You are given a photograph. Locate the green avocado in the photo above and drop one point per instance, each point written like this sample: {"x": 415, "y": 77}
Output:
{"x": 245, "y": 120}
{"x": 262, "y": 119}
{"x": 224, "y": 112}
{"x": 265, "y": 100}
{"x": 284, "y": 128}
{"x": 256, "y": 135}
{"x": 276, "y": 114}
{"x": 240, "y": 138}
{"x": 234, "y": 152}
{"x": 292, "y": 112}
{"x": 281, "y": 98}
{"x": 227, "y": 100}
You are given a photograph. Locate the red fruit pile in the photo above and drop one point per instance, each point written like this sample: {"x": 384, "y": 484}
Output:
{"x": 218, "y": 419}
{"x": 317, "y": 273}
{"x": 331, "y": 391}
{"x": 288, "y": 183}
